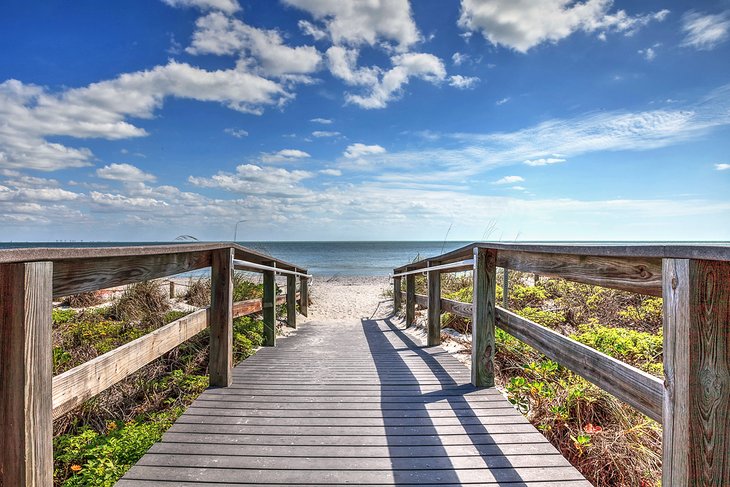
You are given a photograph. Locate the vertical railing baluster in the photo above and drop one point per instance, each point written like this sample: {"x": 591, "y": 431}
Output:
{"x": 396, "y": 294}
{"x": 221, "y": 318}
{"x": 410, "y": 299}
{"x": 434, "y": 306}
{"x": 26, "y": 421}
{"x": 269, "y": 309}
{"x": 291, "y": 300}
{"x": 483, "y": 317}
{"x": 304, "y": 295}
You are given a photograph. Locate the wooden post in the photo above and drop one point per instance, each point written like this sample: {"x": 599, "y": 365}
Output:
{"x": 26, "y": 421}
{"x": 505, "y": 288}
{"x": 291, "y": 301}
{"x": 396, "y": 294}
{"x": 410, "y": 299}
{"x": 269, "y": 309}
{"x": 303, "y": 295}
{"x": 220, "y": 366}
{"x": 696, "y": 412}
{"x": 483, "y": 317}
{"x": 434, "y": 307}
{"x": 172, "y": 290}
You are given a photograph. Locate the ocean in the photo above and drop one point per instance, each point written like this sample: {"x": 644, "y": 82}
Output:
{"x": 320, "y": 258}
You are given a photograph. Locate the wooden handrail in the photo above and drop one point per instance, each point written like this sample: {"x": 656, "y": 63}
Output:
{"x": 30, "y": 398}
{"x": 693, "y": 401}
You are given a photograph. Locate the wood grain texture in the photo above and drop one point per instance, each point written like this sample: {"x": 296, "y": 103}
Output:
{"x": 505, "y": 288}
{"x": 220, "y": 365}
{"x": 414, "y": 419}
{"x": 26, "y": 424}
{"x": 291, "y": 301}
{"x": 251, "y": 306}
{"x": 269, "y": 309}
{"x": 396, "y": 294}
{"x": 73, "y": 387}
{"x": 73, "y": 276}
{"x": 483, "y": 317}
{"x": 697, "y": 355}
{"x": 434, "y": 307}
{"x": 304, "y": 296}
{"x": 410, "y": 300}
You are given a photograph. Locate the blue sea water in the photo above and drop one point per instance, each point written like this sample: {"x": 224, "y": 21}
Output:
{"x": 320, "y": 258}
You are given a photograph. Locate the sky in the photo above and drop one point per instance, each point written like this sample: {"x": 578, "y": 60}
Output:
{"x": 469, "y": 120}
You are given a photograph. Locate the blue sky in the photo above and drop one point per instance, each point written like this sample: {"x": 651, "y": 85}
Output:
{"x": 378, "y": 120}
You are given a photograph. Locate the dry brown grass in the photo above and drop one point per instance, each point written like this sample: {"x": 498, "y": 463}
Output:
{"x": 83, "y": 300}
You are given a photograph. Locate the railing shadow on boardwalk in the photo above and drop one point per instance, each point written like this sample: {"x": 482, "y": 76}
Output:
{"x": 388, "y": 362}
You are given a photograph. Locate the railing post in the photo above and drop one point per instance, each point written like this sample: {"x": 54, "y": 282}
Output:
{"x": 220, "y": 366}
{"x": 291, "y": 300}
{"x": 434, "y": 307}
{"x": 172, "y": 289}
{"x": 26, "y": 421}
{"x": 483, "y": 317}
{"x": 696, "y": 412}
{"x": 269, "y": 309}
{"x": 410, "y": 299}
{"x": 396, "y": 294}
{"x": 304, "y": 295}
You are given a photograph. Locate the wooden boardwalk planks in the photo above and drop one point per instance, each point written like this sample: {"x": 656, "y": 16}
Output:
{"x": 352, "y": 403}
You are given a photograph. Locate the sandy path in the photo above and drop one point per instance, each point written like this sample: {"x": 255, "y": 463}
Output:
{"x": 348, "y": 297}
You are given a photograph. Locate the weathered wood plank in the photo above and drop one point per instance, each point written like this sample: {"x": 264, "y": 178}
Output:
{"x": 73, "y": 276}
{"x": 410, "y": 300}
{"x": 396, "y": 294}
{"x": 483, "y": 317}
{"x": 269, "y": 309}
{"x": 434, "y": 307}
{"x": 697, "y": 370}
{"x": 73, "y": 387}
{"x": 304, "y": 295}
{"x": 251, "y": 306}
{"x": 291, "y": 301}
{"x": 26, "y": 424}
{"x": 220, "y": 365}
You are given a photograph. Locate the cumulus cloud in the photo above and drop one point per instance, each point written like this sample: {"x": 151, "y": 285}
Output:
{"x": 323, "y": 121}
{"x": 219, "y": 34}
{"x": 101, "y": 110}
{"x": 284, "y": 155}
{"x": 381, "y": 87}
{"x": 544, "y": 161}
{"x": 649, "y": 53}
{"x": 459, "y": 58}
{"x": 705, "y": 31}
{"x": 722, "y": 167}
{"x": 524, "y": 24}
{"x": 361, "y": 22}
{"x": 254, "y": 179}
{"x": 509, "y": 180}
{"x": 227, "y": 6}
{"x": 502, "y": 101}
{"x": 356, "y": 150}
{"x": 463, "y": 82}
{"x": 124, "y": 172}
{"x": 331, "y": 172}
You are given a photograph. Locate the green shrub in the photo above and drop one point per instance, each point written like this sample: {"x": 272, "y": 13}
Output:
{"x": 549, "y": 319}
{"x": 61, "y": 316}
{"x": 523, "y": 296}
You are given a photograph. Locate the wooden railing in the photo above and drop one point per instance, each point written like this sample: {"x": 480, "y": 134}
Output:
{"x": 693, "y": 401}
{"x": 30, "y": 397}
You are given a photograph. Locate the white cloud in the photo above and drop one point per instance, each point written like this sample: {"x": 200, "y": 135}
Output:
{"x": 362, "y": 22}
{"x": 502, "y": 101}
{"x": 459, "y": 58}
{"x": 284, "y": 155}
{"x": 323, "y": 121}
{"x": 356, "y": 150}
{"x": 124, "y": 172}
{"x": 310, "y": 29}
{"x": 227, "y": 6}
{"x": 705, "y": 31}
{"x": 219, "y": 34}
{"x": 524, "y": 24}
{"x": 100, "y": 110}
{"x": 509, "y": 180}
{"x": 544, "y": 161}
{"x": 519, "y": 188}
{"x": 253, "y": 179}
{"x": 324, "y": 133}
{"x": 722, "y": 167}
{"x": 383, "y": 87}
{"x": 649, "y": 53}
{"x": 237, "y": 133}
{"x": 463, "y": 82}
{"x": 331, "y": 172}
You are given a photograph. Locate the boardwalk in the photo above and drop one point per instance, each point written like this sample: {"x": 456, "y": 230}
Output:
{"x": 352, "y": 403}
